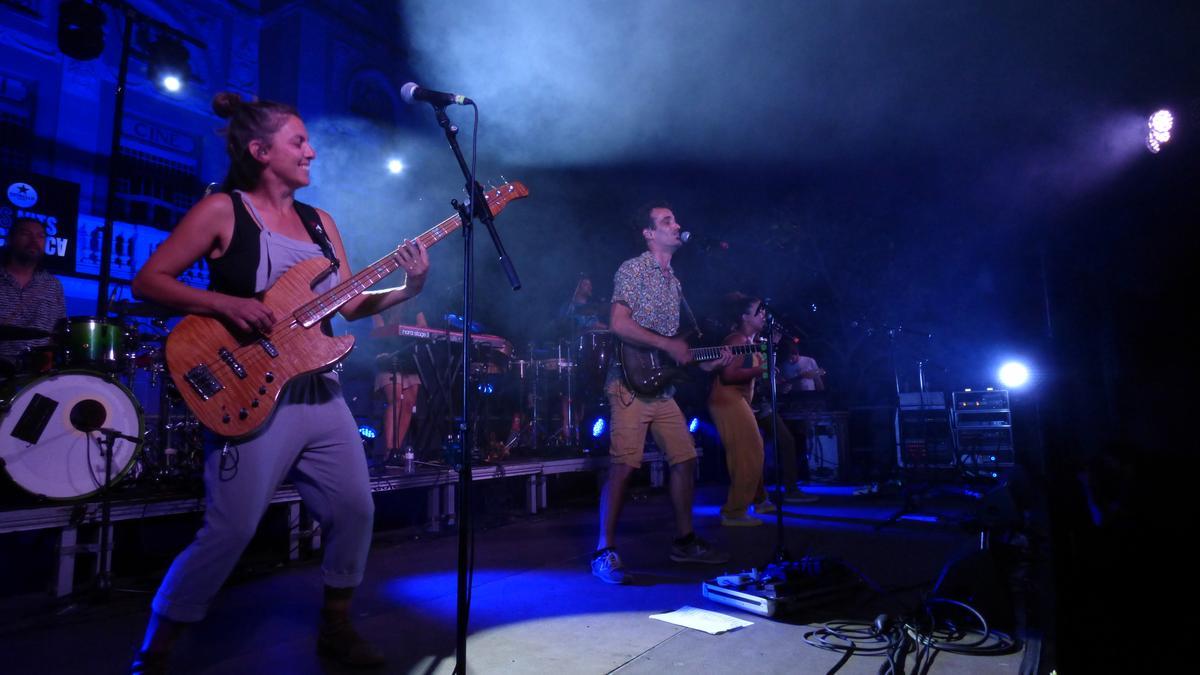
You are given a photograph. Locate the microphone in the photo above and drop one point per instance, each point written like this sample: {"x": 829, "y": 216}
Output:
{"x": 113, "y": 433}
{"x": 704, "y": 242}
{"x": 415, "y": 92}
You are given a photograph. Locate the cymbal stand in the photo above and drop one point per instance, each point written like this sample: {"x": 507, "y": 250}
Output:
{"x": 162, "y": 428}
{"x": 568, "y": 433}
{"x": 535, "y": 420}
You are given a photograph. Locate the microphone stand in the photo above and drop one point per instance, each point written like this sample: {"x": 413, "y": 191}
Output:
{"x": 781, "y": 553}
{"x": 104, "y": 574}
{"x": 476, "y": 207}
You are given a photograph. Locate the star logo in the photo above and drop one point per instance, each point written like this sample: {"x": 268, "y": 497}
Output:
{"x": 22, "y": 195}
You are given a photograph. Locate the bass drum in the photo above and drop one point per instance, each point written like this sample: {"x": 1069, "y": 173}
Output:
{"x": 53, "y": 429}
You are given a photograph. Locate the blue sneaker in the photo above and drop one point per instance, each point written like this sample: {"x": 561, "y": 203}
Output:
{"x": 607, "y": 566}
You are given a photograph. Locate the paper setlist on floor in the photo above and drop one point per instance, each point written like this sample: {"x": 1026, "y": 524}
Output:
{"x": 712, "y": 623}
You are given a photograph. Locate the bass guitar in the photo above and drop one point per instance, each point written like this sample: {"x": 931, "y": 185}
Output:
{"x": 231, "y": 380}
{"x": 649, "y": 371}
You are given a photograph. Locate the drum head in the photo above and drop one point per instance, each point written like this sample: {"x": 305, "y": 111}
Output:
{"x": 49, "y": 433}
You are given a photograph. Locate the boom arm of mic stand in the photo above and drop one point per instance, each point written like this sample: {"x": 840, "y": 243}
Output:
{"x": 479, "y": 202}
{"x": 114, "y": 434}
{"x": 484, "y": 214}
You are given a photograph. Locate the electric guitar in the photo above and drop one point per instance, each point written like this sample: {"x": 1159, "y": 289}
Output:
{"x": 649, "y": 371}
{"x": 231, "y": 380}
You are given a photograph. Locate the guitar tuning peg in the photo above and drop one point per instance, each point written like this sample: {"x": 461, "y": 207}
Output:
{"x": 503, "y": 180}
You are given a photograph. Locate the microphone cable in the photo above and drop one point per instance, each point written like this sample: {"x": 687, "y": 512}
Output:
{"x": 922, "y": 636}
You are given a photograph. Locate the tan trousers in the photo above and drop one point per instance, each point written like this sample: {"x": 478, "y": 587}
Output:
{"x": 743, "y": 449}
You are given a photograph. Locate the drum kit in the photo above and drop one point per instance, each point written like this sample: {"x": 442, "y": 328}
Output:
{"x": 556, "y": 384}
{"x": 71, "y": 426}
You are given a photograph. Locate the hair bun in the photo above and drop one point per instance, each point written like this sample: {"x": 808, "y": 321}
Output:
{"x": 226, "y": 103}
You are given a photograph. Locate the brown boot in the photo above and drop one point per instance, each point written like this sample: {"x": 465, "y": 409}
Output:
{"x": 339, "y": 641}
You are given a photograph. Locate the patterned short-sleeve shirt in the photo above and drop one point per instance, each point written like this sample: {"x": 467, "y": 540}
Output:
{"x": 39, "y": 305}
{"x": 651, "y": 293}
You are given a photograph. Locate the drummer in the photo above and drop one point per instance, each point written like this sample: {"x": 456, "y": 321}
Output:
{"x": 582, "y": 315}
{"x": 31, "y": 299}
{"x": 580, "y": 308}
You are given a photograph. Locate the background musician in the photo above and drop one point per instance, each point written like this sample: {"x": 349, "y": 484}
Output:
{"x": 580, "y": 309}
{"x": 31, "y": 299}
{"x": 729, "y": 404}
{"x": 396, "y": 380}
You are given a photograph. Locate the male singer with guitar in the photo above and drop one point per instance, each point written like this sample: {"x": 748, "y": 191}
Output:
{"x": 645, "y": 313}
{"x": 251, "y": 233}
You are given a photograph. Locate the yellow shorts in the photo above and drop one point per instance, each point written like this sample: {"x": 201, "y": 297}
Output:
{"x": 633, "y": 415}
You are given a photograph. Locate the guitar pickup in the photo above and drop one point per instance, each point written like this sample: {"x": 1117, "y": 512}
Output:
{"x": 201, "y": 379}
{"x": 268, "y": 347}
{"x": 231, "y": 361}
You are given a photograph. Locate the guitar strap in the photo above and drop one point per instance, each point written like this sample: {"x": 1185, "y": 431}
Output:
{"x": 312, "y": 223}
{"x": 691, "y": 316}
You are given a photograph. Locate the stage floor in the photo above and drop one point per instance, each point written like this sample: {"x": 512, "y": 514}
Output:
{"x": 535, "y": 607}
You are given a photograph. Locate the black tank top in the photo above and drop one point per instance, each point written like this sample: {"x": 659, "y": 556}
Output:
{"x": 234, "y": 273}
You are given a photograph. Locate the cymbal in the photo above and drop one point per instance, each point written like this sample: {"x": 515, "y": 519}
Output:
{"x": 146, "y": 309}
{"x": 14, "y": 333}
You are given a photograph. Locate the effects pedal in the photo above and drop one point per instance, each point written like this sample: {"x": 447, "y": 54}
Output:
{"x": 782, "y": 588}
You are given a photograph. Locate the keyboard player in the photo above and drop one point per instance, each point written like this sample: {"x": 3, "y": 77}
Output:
{"x": 396, "y": 380}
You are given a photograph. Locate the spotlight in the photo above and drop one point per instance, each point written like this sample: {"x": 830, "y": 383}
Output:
{"x": 1013, "y": 374}
{"x": 1159, "y": 129}
{"x": 395, "y": 166}
{"x": 80, "y": 29}
{"x": 168, "y": 63}
{"x": 598, "y": 427}
{"x": 367, "y": 431}
{"x": 694, "y": 424}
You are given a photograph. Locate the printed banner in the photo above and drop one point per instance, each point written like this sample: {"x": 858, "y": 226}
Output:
{"x": 52, "y": 201}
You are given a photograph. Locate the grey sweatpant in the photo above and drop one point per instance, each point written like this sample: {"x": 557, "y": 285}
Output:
{"x": 315, "y": 438}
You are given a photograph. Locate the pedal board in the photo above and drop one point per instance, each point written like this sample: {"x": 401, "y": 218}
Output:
{"x": 782, "y": 588}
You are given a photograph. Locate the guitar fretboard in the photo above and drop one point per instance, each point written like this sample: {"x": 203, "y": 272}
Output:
{"x": 713, "y": 353}
{"x": 327, "y": 303}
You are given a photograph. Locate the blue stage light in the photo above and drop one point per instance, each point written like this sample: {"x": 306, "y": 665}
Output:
{"x": 694, "y": 424}
{"x": 395, "y": 166}
{"x": 598, "y": 427}
{"x": 1013, "y": 374}
{"x": 367, "y": 431}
